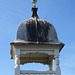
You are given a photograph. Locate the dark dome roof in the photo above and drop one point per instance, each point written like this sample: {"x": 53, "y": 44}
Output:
{"x": 36, "y": 30}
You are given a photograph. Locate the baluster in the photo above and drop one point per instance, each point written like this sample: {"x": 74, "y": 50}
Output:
{"x": 57, "y": 67}
{"x": 50, "y": 66}
{"x": 17, "y": 62}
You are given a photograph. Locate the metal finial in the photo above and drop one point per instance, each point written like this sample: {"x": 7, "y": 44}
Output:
{"x": 34, "y": 2}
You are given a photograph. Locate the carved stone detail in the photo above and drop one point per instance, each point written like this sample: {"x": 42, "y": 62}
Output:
{"x": 45, "y": 52}
{"x": 17, "y": 62}
{"x": 57, "y": 67}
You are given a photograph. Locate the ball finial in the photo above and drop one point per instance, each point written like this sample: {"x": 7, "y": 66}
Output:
{"x": 34, "y": 2}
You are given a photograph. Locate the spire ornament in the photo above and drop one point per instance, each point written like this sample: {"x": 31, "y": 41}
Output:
{"x": 34, "y": 2}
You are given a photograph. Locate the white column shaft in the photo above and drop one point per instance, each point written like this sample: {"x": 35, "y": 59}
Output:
{"x": 50, "y": 66}
{"x": 17, "y": 62}
{"x": 57, "y": 67}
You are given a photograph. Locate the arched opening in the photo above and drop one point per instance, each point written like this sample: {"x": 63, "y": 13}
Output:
{"x": 36, "y": 61}
{"x": 34, "y": 66}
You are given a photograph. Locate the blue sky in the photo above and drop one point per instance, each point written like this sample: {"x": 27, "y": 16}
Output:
{"x": 61, "y": 13}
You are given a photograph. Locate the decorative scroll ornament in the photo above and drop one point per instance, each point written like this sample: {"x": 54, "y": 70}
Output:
{"x": 34, "y": 2}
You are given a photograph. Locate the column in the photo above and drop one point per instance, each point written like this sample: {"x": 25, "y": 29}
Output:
{"x": 57, "y": 67}
{"x": 50, "y": 66}
{"x": 17, "y": 62}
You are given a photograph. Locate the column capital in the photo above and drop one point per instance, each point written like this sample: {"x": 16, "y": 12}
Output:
{"x": 56, "y": 53}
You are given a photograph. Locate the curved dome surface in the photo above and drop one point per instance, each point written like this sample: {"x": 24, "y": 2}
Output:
{"x": 36, "y": 30}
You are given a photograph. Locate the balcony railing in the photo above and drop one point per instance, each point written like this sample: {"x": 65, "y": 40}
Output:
{"x": 36, "y": 72}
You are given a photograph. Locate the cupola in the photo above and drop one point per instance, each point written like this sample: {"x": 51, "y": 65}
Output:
{"x": 36, "y": 31}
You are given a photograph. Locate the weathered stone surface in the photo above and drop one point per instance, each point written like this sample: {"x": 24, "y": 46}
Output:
{"x": 36, "y": 31}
